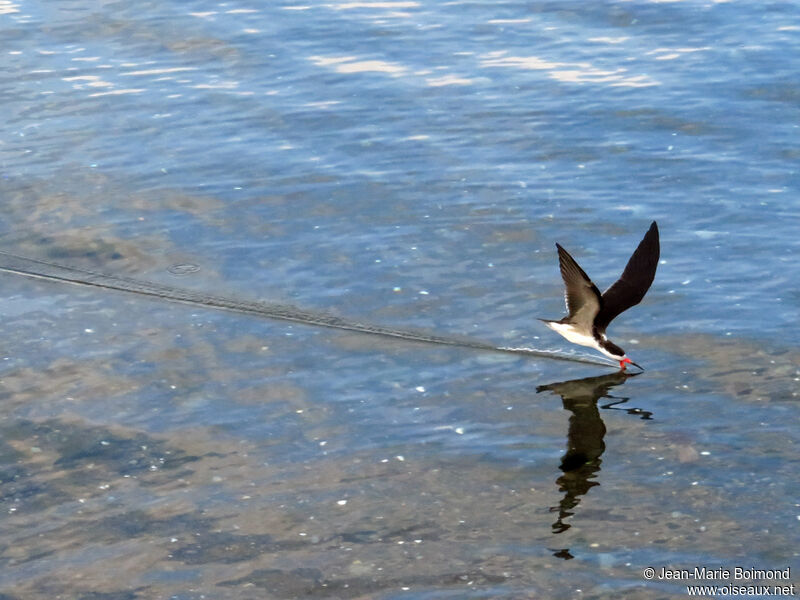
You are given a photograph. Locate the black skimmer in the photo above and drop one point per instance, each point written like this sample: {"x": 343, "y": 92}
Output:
{"x": 590, "y": 312}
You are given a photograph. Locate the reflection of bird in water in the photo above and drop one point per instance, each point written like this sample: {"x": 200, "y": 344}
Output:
{"x": 585, "y": 445}
{"x": 590, "y": 312}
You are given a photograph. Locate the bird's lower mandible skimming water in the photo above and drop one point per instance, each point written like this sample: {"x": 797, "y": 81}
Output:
{"x": 590, "y": 312}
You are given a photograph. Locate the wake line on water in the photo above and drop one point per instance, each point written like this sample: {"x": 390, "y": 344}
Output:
{"x": 49, "y": 271}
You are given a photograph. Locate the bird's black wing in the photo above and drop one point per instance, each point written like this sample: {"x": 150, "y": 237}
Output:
{"x": 636, "y": 279}
{"x": 581, "y": 295}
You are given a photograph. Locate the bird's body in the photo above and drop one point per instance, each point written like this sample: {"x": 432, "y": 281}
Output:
{"x": 578, "y": 335}
{"x": 591, "y": 312}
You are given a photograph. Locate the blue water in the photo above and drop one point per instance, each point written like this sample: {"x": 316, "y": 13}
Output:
{"x": 411, "y": 164}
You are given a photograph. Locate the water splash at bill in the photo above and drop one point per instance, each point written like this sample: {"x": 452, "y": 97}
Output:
{"x": 41, "y": 269}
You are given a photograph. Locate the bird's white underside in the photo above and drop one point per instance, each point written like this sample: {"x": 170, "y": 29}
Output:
{"x": 571, "y": 334}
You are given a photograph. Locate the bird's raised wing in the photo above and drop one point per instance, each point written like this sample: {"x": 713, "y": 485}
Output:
{"x": 581, "y": 295}
{"x": 636, "y": 279}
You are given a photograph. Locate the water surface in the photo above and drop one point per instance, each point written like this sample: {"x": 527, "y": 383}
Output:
{"x": 409, "y": 164}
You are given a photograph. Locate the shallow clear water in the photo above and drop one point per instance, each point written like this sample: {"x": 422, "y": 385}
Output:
{"x": 409, "y": 164}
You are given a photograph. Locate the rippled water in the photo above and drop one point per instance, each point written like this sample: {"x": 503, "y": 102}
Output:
{"x": 408, "y": 164}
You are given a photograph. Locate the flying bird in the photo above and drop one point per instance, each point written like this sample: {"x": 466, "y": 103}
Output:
{"x": 590, "y": 312}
